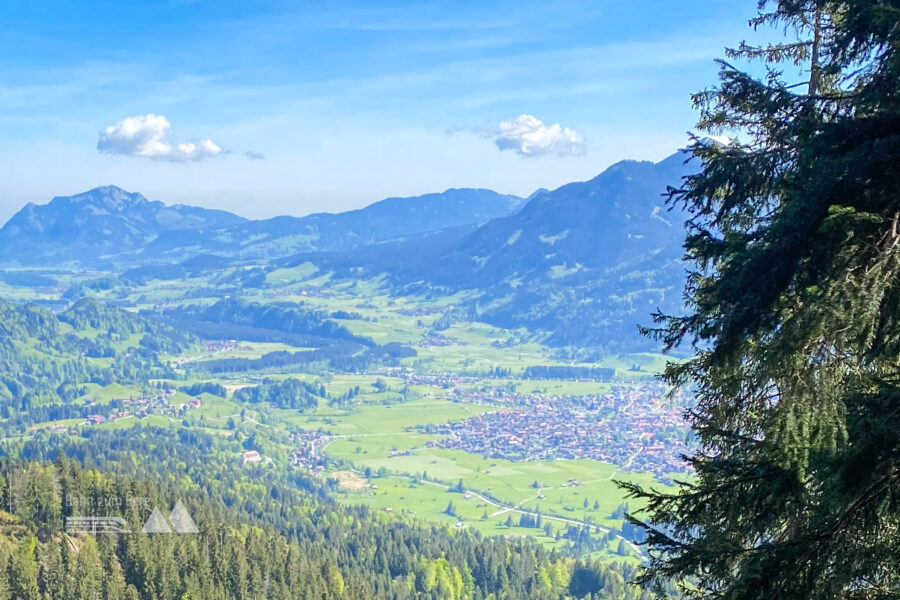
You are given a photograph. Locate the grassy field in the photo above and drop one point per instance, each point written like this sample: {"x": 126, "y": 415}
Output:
{"x": 511, "y": 483}
{"x": 430, "y": 502}
{"x": 408, "y": 475}
{"x": 250, "y": 350}
{"x": 495, "y": 498}
{"x": 291, "y": 275}
{"x": 106, "y": 394}
{"x": 148, "y": 421}
{"x": 384, "y": 421}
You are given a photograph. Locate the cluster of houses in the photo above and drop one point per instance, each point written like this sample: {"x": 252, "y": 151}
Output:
{"x": 306, "y": 453}
{"x": 251, "y": 456}
{"x": 223, "y": 345}
{"x": 57, "y": 428}
{"x": 631, "y": 427}
{"x": 438, "y": 340}
{"x": 143, "y": 405}
{"x": 303, "y": 293}
{"x": 420, "y": 311}
{"x": 450, "y": 381}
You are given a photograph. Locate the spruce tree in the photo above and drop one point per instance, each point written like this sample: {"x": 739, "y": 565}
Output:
{"x": 793, "y": 319}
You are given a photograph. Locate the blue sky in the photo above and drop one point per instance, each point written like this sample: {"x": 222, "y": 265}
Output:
{"x": 348, "y": 102}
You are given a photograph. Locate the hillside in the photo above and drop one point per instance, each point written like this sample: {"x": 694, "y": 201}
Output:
{"x": 575, "y": 233}
{"x": 47, "y": 359}
{"x": 261, "y": 533}
{"x": 97, "y": 223}
{"x": 385, "y": 220}
{"x": 585, "y": 263}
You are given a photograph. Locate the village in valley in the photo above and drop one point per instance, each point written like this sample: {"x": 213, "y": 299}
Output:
{"x": 477, "y": 419}
{"x": 166, "y": 402}
{"x": 632, "y": 427}
{"x": 636, "y": 427}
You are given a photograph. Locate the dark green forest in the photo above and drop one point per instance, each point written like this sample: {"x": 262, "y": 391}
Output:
{"x": 262, "y": 534}
{"x": 792, "y": 319}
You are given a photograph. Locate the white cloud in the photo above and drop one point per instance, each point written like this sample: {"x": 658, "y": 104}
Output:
{"x": 528, "y": 136}
{"x": 147, "y": 136}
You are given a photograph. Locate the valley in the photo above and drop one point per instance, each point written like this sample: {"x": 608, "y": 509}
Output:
{"x": 450, "y": 301}
{"x": 464, "y": 424}
{"x": 465, "y": 360}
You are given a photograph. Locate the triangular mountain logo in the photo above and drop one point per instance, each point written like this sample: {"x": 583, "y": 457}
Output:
{"x": 181, "y": 520}
{"x": 156, "y": 523}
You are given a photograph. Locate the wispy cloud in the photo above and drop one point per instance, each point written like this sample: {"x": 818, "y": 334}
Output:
{"x": 147, "y": 136}
{"x": 528, "y": 136}
{"x": 251, "y": 155}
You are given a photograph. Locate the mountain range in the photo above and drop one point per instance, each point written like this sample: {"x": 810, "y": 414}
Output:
{"x": 108, "y": 226}
{"x": 587, "y": 261}
{"x": 584, "y": 262}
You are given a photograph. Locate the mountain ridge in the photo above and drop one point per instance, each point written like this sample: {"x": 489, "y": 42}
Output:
{"x": 133, "y": 229}
{"x": 585, "y": 262}
{"x": 96, "y": 222}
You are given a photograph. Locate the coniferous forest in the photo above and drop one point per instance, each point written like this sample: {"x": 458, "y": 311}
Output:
{"x": 792, "y": 320}
{"x": 263, "y": 534}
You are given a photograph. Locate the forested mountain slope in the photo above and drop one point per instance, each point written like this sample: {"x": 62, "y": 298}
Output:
{"x": 45, "y": 359}
{"x": 586, "y": 262}
{"x": 385, "y": 220}
{"x": 259, "y": 535}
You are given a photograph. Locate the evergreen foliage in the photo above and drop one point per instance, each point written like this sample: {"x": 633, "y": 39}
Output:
{"x": 263, "y": 533}
{"x": 206, "y": 387}
{"x": 794, "y": 318}
{"x": 289, "y": 393}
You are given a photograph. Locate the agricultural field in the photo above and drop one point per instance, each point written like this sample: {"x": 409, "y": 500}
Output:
{"x": 401, "y": 473}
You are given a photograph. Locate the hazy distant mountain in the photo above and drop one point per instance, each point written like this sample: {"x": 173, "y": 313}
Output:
{"x": 100, "y": 222}
{"x": 385, "y": 220}
{"x": 126, "y": 229}
{"x": 586, "y": 262}
{"x": 575, "y": 233}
